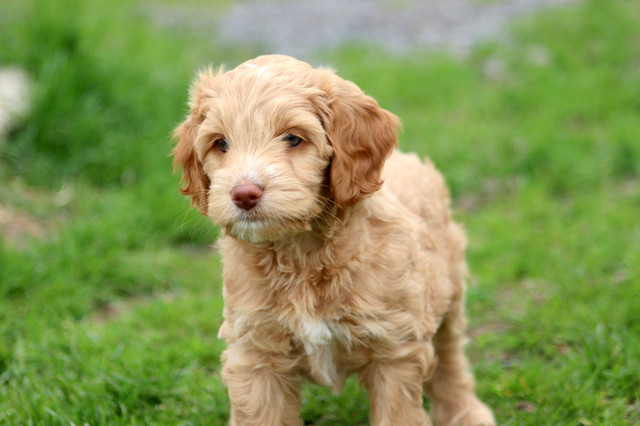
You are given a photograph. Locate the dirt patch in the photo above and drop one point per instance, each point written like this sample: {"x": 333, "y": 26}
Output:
{"x": 18, "y": 227}
{"x": 118, "y": 308}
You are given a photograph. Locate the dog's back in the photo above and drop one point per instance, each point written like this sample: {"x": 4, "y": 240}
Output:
{"x": 422, "y": 190}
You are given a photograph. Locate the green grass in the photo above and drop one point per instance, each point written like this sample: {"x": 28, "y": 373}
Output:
{"x": 110, "y": 315}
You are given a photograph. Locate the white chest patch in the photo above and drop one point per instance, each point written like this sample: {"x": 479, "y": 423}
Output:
{"x": 319, "y": 338}
{"x": 315, "y": 333}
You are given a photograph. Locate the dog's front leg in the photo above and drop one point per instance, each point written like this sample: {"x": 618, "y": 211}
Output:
{"x": 394, "y": 386}
{"x": 262, "y": 387}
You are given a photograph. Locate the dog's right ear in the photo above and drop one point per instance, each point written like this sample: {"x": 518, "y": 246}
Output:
{"x": 184, "y": 154}
{"x": 362, "y": 136}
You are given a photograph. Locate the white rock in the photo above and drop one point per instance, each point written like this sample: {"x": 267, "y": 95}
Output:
{"x": 15, "y": 96}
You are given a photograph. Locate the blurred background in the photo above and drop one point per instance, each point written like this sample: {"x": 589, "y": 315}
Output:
{"x": 109, "y": 286}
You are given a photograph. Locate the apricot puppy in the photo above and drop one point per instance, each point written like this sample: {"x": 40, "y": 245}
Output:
{"x": 340, "y": 255}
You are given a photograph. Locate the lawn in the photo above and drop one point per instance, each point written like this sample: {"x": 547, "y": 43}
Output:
{"x": 110, "y": 299}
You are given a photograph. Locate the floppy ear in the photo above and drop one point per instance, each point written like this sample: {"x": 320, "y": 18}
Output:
{"x": 362, "y": 136}
{"x": 184, "y": 154}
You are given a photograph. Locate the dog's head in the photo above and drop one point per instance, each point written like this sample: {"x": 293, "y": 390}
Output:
{"x": 268, "y": 146}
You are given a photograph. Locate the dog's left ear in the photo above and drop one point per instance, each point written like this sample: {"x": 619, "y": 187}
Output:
{"x": 184, "y": 155}
{"x": 362, "y": 136}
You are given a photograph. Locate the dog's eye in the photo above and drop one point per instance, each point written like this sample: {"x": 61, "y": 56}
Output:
{"x": 222, "y": 144}
{"x": 293, "y": 140}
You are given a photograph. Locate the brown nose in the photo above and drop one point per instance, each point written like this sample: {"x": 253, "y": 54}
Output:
{"x": 246, "y": 195}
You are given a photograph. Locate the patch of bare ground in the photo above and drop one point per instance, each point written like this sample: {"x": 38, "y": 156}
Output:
{"x": 118, "y": 308}
{"x": 491, "y": 189}
{"x": 18, "y": 227}
{"x": 28, "y": 214}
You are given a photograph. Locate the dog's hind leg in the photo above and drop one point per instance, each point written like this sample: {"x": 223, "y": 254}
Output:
{"x": 451, "y": 387}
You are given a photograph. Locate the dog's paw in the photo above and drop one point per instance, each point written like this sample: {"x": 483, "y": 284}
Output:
{"x": 475, "y": 413}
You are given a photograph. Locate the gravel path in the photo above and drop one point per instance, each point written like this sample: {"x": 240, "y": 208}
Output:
{"x": 298, "y": 27}
{"x": 302, "y": 27}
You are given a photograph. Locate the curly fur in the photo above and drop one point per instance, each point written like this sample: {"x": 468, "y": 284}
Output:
{"x": 333, "y": 272}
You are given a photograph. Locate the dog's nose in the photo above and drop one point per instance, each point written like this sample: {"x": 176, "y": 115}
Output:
{"x": 246, "y": 195}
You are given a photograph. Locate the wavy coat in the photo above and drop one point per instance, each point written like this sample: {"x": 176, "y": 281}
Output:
{"x": 347, "y": 260}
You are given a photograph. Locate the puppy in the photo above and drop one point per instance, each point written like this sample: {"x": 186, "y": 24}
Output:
{"x": 339, "y": 252}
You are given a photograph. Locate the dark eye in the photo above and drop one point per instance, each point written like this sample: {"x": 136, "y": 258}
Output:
{"x": 293, "y": 140}
{"x": 222, "y": 144}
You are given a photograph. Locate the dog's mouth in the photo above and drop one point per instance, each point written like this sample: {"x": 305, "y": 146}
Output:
{"x": 255, "y": 227}
{"x": 279, "y": 213}
{"x": 250, "y": 216}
